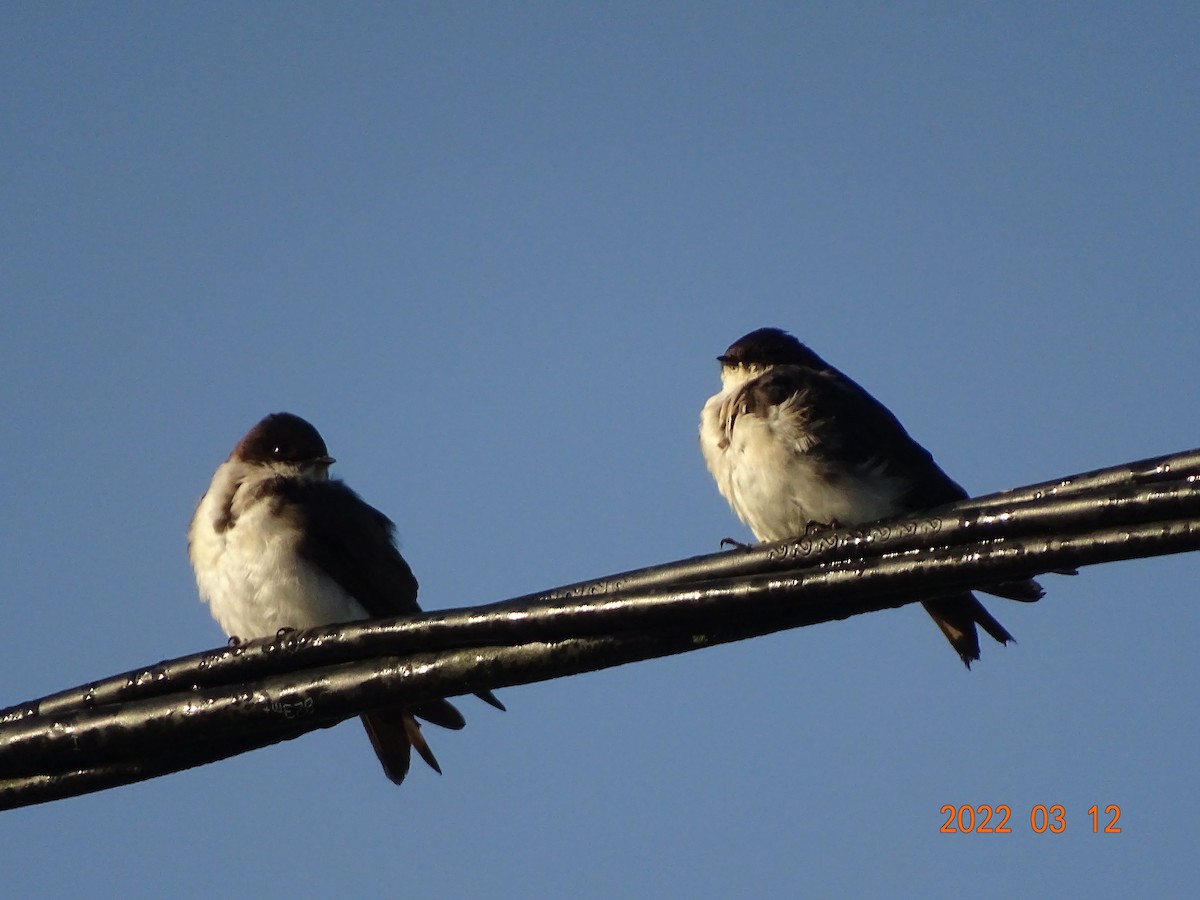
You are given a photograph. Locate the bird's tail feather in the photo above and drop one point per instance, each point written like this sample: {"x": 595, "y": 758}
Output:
{"x": 393, "y": 732}
{"x": 957, "y": 617}
{"x": 389, "y": 738}
{"x": 1026, "y": 590}
{"x": 439, "y": 712}
{"x": 491, "y": 699}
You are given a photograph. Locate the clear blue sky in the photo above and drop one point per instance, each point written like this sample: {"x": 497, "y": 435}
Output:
{"x": 491, "y": 250}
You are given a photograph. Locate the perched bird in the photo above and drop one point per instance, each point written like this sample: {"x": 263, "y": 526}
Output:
{"x": 276, "y": 544}
{"x": 794, "y": 444}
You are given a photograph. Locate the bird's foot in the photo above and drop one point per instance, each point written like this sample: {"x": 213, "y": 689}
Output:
{"x": 730, "y": 542}
{"x": 817, "y": 527}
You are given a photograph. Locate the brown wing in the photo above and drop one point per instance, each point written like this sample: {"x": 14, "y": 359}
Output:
{"x": 370, "y": 569}
{"x": 351, "y": 542}
{"x": 845, "y": 423}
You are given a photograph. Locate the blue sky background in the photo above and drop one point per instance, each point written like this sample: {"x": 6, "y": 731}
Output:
{"x": 491, "y": 250}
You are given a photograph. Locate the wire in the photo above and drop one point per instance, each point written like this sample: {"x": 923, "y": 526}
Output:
{"x": 208, "y": 706}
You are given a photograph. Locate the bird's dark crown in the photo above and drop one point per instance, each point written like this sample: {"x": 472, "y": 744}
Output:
{"x": 282, "y": 437}
{"x": 770, "y": 347}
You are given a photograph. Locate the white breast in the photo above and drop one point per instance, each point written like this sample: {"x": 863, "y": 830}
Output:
{"x": 251, "y": 575}
{"x": 776, "y": 480}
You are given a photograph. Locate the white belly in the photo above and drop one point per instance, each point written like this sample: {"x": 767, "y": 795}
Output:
{"x": 777, "y": 484}
{"x": 254, "y": 581}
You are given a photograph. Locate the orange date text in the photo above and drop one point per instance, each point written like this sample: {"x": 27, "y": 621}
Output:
{"x": 1043, "y": 819}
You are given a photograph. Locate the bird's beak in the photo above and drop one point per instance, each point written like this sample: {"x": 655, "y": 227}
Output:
{"x": 724, "y": 360}
{"x": 326, "y": 460}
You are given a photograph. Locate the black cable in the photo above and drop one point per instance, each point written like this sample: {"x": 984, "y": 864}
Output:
{"x": 208, "y": 706}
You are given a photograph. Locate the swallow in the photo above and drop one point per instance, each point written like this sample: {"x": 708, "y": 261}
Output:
{"x": 276, "y": 544}
{"x": 795, "y": 445}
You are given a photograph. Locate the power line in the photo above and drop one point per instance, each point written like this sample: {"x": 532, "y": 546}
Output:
{"x": 197, "y": 709}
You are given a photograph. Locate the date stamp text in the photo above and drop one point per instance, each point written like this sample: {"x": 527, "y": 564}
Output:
{"x": 1043, "y": 819}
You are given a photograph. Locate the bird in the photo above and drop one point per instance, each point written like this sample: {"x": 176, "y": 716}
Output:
{"x": 795, "y": 445}
{"x": 276, "y": 544}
